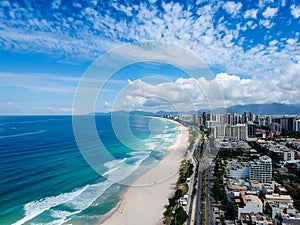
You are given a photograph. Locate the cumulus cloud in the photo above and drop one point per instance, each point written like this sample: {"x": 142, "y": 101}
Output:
{"x": 251, "y": 13}
{"x": 187, "y": 94}
{"x": 232, "y": 7}
{"x": 56, "y": 4}
{"x": 295, "y": 11}
{"x": 267, "y": 23}
{"x": 163, "y": 96}
{"x": 90, "y": 32}
{"x": 290, "y": 82}
{"x": 270, "y": 12}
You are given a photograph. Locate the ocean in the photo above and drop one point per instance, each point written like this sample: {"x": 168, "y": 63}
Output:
{"x": 44, "y": 178}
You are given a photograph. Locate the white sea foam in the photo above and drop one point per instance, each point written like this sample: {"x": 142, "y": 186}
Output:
{"x": 152, "y": 145}
{"x": 60, "y": 214}
{"x": 126, "y": 167}
{"x": 35, "y": 208}
{"x": 23, "y": 134}
{"x": 78, "y": 200}
{"x": 111, "y": 170}
{"x": 81, "y": 199}
{"x": 89, "y": 195}
{"x": 136, "y": 153}
{"x": 114, "y": 163}
{"x": 55, "y": 222}
{"x": 162, "y": 136}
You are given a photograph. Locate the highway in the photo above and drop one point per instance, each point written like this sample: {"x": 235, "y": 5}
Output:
{"x": 205, "y": 164}
{"x": 209, "y": 196}
{"x": 199, "y": 200}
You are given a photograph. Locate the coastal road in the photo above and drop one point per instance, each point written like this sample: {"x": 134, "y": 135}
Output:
{"x": 209, "y": 196}
{"x": 195, "y": 158}
{"x": 206, "y": 164}
{"x": 199, "y": 200}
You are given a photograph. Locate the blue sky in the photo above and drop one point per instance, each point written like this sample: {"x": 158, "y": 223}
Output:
{"x": 251, "y": 47}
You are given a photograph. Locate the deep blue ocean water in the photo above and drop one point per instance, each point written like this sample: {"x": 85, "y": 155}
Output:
{"x": 44, "y": 178}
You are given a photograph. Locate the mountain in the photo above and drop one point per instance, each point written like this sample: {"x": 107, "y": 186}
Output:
{"x": 266, "y": 109}
{"x": 262, "y": 109}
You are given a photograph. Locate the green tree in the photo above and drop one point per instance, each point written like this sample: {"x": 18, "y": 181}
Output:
{"x": 180, "y": 216}
{"x": 178, "y": 194}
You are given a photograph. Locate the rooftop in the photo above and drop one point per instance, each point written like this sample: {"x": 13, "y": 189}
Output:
{"x": 278, "y": 197}
{"x": 251, "y": 199}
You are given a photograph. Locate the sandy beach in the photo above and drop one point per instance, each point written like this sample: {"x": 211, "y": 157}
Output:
{"x": 144, "y": 201}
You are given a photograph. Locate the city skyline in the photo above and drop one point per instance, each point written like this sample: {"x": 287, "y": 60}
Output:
{"x": 251, "y": 48}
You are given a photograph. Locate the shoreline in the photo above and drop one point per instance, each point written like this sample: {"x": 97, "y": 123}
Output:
{"x": 144, "y": 201}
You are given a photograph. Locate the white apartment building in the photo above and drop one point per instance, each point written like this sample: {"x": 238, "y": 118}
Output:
{"x": 289, "y": 155}
{"x": 261, "y": 170}
{"x": 252, "y": 204}
{"x": 238, "y": 171}
{"x": 297, "y": 125}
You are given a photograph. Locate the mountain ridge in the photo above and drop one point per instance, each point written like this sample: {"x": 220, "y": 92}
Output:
{"x": 262, "y": 109}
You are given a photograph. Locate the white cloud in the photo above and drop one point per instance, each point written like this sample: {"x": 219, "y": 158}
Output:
{"x": 251, "y": 13}
{"x": 76, "y": 5}
{"x": 270, "y": 12}
{"x": 290, "y": 82}
{"x": 143, "y": 95}
{"x": 122, "y": 8}
{"x": 93, "y": 2}
{"x": 273, "y": 42}
{"x": 292, "y": 41}
{"x": 192, "y": 94}
{"x": 283, "y": 3}
{"x": 5, "y": 4}
{"x": 232, "y": 7}
{"x": 295, "y": 11}
{"x": 267, "y": 23}
{"x": 89, "y": 33}
{"x": 40, "y": 83}
{"x": 56, "y": 4}
{"x": 107, "y": 104}
{"x": 162, "y": 52}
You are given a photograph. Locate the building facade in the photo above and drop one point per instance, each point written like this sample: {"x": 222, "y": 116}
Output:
{"x": 261, "y": 170}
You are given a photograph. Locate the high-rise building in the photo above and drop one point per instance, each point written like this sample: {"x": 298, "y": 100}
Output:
{"x": 235, "y": 118}
{"x": 297, "y": 125}
{"x": 238, "y": 132}
{"x": 245, "y": 117}
{"x": 204, "y": 117}
{"x": 268, "y": 120}
{"x": 256, "y": 118}
{"x": 229, "y": 119}
{"x": 276, "y": 127}
{"x": 200, "y": 119}
{"x": 250, "y": 117}
{"x": 262, "y": 121}
{"x": 251, "y": 129}
{"x": 287, "y": 123}
{"x": 208, "y": 117}
{"x": 261, "y": 170}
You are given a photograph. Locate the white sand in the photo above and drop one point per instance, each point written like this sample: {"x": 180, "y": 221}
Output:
{"x": 143, "y": 202}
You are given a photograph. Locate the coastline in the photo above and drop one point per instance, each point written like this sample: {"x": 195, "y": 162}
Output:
{"x": 143, "y": 202}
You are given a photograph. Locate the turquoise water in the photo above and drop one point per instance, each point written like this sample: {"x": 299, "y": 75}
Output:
{"x": 44, "y": 178}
